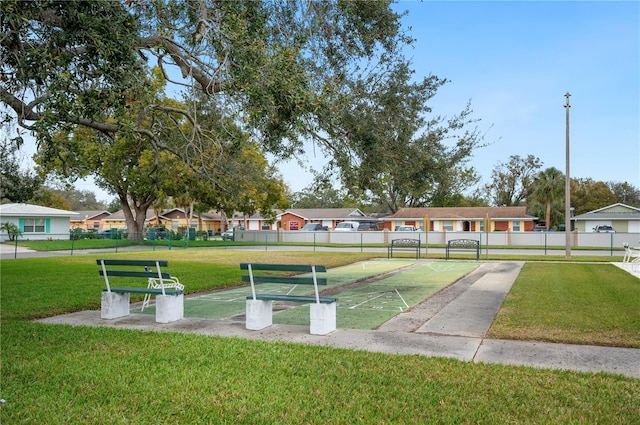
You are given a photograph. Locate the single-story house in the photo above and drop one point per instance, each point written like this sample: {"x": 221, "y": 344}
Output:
{"x": 117, "y": 220}
{"x": 294, "y": 219}
{"x": 250, "y": 222}
{"x": 89, "y": 220}
{"x": 36, "y": 222}
{"x": 623, "y": 218}
{"x": 172, "y": 219}
{"x": 463, "y": 219}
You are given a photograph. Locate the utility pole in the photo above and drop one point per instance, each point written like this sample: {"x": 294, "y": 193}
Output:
{"x": 567, "y": 188}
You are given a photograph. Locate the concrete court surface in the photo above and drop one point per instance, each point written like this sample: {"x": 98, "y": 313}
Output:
{"x": 452, "y": 323}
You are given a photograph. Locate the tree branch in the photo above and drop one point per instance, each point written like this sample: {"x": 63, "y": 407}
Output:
{"x": 208, "y": 84}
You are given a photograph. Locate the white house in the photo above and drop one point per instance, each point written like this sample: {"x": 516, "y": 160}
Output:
{"x": 623, "y": 218}
{"x": 36, "y": 222}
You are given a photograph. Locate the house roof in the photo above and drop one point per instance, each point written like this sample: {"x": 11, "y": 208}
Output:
{"x": 241, "y": 216}
{"x": 88, "y": 215}
{"x": 167, "y": 214}
{"x": 457, "y": 213}
{"x": 325, "y": 213}
{"x": 211, "y": 215}
{"x": 611, "y": 212}
{"x": 119, "y": 216}
{"x": 29, "y": 210}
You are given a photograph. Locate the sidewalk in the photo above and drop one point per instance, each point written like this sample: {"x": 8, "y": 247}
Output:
{"x": 452, "y": 323}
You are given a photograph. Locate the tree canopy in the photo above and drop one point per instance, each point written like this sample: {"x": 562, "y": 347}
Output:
{"x": 389, "y": 147}
{"x": 17, "y": 185}
{"x": 512, "y": 182}
{"x": 270, "y": 66}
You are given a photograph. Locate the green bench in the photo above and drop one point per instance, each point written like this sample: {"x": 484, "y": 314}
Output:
{"x": 168, "y": 291}
{"x": 259, "y": 306}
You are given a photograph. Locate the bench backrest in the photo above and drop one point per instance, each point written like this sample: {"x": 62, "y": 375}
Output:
{"x": 463, "y": 243}
{"x": 293, "y": 280}
{"x": 151, "y": 270}
{"x": 406, "y": 242}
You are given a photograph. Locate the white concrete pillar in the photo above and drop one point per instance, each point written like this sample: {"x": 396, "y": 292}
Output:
{"x": 114, "y": 305}
{"x": 169, "y": 308}
{"x": 323, "y": 318}
{"x": 259, "y": 314}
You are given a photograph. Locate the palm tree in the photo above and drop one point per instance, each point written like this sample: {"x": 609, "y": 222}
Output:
{"x": 12, "y": 230}
{"x": 548, "y": 187}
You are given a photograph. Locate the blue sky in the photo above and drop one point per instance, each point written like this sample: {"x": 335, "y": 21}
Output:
{"x": 515, "y": 61}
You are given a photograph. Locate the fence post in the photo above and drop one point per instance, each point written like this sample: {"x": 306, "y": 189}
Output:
{"x": 611, "y": 244}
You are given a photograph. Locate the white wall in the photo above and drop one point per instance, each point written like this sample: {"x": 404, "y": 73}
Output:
{"x": 58, "y": 229}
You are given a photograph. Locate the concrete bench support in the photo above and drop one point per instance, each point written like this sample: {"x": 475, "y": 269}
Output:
{"x": 169, "y": 308}
{"x": 323, "y": 318}
{"x": 259, "y": 314}
{"x": 114, "y": 305}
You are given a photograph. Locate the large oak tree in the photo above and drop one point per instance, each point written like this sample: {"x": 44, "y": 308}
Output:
{"x": 271, "y": 66}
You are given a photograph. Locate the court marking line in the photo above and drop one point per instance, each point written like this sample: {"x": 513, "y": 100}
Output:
{"x": 405, "y": 303}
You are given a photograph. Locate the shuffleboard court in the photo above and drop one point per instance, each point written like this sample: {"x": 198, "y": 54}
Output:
{"x": 369, "y": 293}
{"x": 370, "y": 305}
{"x": 231, "y": 302}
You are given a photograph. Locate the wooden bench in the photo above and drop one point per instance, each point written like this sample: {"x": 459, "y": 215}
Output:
{"x": 259, "y": 306}
{"x": 465, "y": 245}
{"x": 169, "y": 292}
{"x": 404, "y": 245}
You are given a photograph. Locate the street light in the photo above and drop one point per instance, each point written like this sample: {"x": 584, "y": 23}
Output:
{"x": 567, "y": 195}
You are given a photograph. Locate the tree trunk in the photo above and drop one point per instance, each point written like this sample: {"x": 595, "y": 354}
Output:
{"x": 548, "y": 215}
{"x": 135, "y": 216}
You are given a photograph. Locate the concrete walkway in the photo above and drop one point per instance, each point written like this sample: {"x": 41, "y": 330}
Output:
{"x": 453, "y": 323}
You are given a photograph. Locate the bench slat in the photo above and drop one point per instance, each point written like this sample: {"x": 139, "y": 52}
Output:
{"x": 153, "y": 291}
{"x": 294, "y": 280}
{"x": 293, "y": 298}
{"x": 132, "y": 263}
{"x": 134, "y": 273}
{"x": 302, "y": 268}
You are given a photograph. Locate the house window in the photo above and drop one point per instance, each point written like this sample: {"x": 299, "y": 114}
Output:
{"x": 481, "y": 222}
{"x": 34, "y": 225}
{"x": 516, "y": 226}
{"x": 447, "y": 226}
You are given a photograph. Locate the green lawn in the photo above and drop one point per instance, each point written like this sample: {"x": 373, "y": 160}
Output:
{"x": 76, "y": 375}
{"x": 597, "y": 304}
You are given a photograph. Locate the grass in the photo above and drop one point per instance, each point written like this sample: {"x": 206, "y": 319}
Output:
{"x": 77, "y": 375}
{"x": 597, "y": 304}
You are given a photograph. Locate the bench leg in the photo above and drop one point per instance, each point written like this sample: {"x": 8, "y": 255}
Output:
{"x": 114, "y": 305}
{"x": 259, "y": 314}
{"x": 323, "y": 318}
{"x": 169, "y": 308}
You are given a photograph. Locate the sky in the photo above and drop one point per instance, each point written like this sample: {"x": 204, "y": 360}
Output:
{"x": 515, "y": 61}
